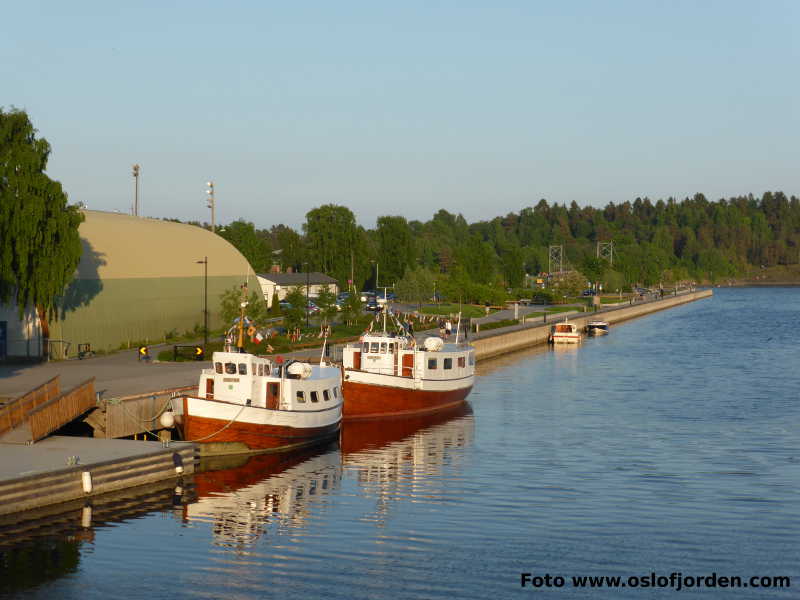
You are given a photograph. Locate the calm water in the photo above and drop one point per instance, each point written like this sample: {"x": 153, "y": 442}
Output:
{"x": 670, "y": 445}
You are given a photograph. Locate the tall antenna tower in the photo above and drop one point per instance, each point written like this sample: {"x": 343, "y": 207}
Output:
{"x": 606, "y": 250}
{"x": 556, "y": 263}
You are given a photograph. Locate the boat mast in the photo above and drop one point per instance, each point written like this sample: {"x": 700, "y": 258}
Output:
{"x": 243, "y": 305}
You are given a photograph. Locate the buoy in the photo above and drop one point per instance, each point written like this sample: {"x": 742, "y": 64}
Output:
{"x": 86, "y": 480}
{"x": 167, "y": 419}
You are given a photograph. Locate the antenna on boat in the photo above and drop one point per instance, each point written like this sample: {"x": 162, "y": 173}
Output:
{"x": 458, "y": 326}
{"x": 243, "y": 305}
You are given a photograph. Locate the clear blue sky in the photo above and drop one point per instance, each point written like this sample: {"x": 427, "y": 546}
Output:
{"x": 403, "y": 108}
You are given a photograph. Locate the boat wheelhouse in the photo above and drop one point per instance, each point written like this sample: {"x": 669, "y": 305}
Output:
{"x": 388, "y": 375}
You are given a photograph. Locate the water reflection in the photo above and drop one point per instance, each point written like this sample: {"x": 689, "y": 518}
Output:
{"x": 242, "y": 497}
{"x": 45, "y": 544}
{"x": 404, "y": 458}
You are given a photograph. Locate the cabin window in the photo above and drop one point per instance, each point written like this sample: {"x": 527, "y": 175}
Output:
{"x": 230, "y": 368}
{"x": 336, "y": 392}
{"x": 366, "y": 346}
{"x": 431, "y": 364}
{"x": 218, "y": 368}
{"x": 383, "y": 347}
{"x": 471, "y": 358}
{"x": 462, "y": 362}
{"x": 375, "y": 347}
{"x": 260, "y": 369}
{"x": 391, "y": 348}
{"x": 273, "y": 389}
{"x": 448, "y": 363}
{"x": 325, "y": 395}
{"x": 301, "y": 396}
{"x": 242, "y": 368}
{"x": 314, "y": 397}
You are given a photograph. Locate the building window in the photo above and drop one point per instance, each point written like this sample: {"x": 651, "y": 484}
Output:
{"x": 391, "y": 348}
{"x": 431, "y": 364}
{"x": 325, "y": 395}
{"x": 314, "y": 397}
{"x": 448, "y": 363}
{"x": 366, "y": 346}
{"x": 336, "y": 392}
{"x": 301, "y": 397}
{"x": 230, "y": 368}
{"x": 242, "y": 368}
{"x": 462, "y": 362}
{"x": 218, "y": 368}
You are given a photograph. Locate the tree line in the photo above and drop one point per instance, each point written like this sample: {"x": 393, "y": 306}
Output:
{"x": 653, "y": 242}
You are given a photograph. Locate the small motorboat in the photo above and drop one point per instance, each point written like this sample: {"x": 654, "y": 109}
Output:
{"x": 565, "y": 333}
{"x": 597, "y": 328}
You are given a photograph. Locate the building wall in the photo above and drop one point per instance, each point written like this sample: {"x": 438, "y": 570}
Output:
{"x": 139, "y": 279}
{"x": 269, "y": 287}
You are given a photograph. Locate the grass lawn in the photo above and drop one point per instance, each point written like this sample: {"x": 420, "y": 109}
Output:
{"x": 468, "y": 311}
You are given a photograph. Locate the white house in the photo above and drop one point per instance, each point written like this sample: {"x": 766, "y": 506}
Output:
{"x": 282, "y": 283}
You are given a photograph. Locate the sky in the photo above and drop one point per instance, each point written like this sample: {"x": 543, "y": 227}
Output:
{"x": 405, "y": 108}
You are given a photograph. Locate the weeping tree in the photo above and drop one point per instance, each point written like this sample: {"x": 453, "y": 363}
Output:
{"x": 39, "y": 243}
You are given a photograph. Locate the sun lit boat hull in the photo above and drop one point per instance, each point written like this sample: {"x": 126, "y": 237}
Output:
{"x": 254, "y": 429}
{"x": 370, "y": 401}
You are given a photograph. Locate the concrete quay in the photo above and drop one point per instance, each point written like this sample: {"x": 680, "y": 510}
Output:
{"x": 517, "y": 337}
{"x": 61, "y": 469}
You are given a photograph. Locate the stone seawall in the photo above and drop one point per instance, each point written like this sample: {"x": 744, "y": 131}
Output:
{"x": 510, "y": 341}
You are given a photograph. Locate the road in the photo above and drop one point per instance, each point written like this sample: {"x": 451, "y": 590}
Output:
{"x": 123, "y": 374}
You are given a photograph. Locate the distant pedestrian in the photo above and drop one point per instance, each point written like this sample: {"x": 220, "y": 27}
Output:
{"x": 411, "y": 328}
{"x": 448, "y": 327}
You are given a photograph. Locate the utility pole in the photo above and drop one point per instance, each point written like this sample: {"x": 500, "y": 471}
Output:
{"x": 211, "y": 204}
{"x": 135, "y": 190}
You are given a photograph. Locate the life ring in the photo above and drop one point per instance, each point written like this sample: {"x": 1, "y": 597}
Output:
{"x": 251, "y": 331}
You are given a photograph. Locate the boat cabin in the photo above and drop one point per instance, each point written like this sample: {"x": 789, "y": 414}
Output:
{"x": 399, "y": 356}
{"x": 247, "y": 379}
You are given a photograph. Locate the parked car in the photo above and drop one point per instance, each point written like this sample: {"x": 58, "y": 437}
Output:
{"x": 284, "y": 305}
{"x": 372, "y": 305}
{"x": 589, "y": 293}
{"x": 367, "y": 294}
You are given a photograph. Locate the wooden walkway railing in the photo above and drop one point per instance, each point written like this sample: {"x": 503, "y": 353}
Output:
{"x": 56, "y": 412}
{"x": 15, "y": 412}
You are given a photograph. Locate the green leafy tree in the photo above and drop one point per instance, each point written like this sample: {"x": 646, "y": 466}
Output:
{"x": 332, "y": 238}
{"x": 416, "y": 286}
{"x": 351, "y": 309}
{"x": 326, "y": 301}
{"x": 296, "y": 315}
{"x": 275, "y": 306}
{"x": 594, "y": 268}
{"x": 396, "y": 250}
{"x": 254, "y": 247}
{"x": 39, "y": 243}
{"x": 230, "y": 306}
{"x": 571, "y": 284}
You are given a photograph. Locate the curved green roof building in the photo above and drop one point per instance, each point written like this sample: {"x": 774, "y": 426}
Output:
{"x": 141, "y": 279}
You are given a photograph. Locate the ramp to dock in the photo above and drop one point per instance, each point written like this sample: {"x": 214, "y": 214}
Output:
{"x": 43, "y": 410}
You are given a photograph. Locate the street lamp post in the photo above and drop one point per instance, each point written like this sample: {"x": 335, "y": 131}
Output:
{"x": 305, "y": 266}
{"x": 204, "y": 262}
{"x": 211, "y": 204}
{"x": 136, "y": 190}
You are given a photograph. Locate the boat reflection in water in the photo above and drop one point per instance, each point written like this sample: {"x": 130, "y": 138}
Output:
{"x": 243, "y": 497}
{"x": 406, "y": 456}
